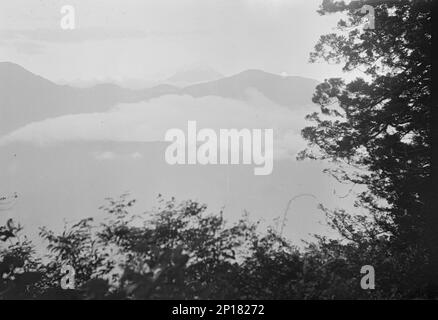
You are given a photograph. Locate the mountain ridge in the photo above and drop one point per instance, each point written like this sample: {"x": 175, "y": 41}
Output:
{"x": 26, "y": 97}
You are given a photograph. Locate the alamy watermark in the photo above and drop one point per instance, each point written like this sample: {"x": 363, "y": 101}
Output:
{"x": 228, "y": 146}
{"x": 367, "y": 282}
{"x": 68, "y": 278}
{"x": 68, "y": 19}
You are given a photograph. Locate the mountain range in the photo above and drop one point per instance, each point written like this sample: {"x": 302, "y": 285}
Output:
{"x": 26, "y": 97}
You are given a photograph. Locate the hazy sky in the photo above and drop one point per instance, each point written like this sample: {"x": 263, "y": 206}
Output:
{"x": 152, "y": 39}
{"x": 126, "y": 40}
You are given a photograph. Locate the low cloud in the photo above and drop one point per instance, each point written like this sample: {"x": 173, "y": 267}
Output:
{"x": 149, "y": 121}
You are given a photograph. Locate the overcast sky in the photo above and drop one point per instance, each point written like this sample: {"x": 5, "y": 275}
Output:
{"x": 152, "y": 39}
{"x": 125, "y": 40}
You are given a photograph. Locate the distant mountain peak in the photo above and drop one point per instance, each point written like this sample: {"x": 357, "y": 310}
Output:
{"x": 13, "y": 68}
{"x": 288, "y": 91}
{"x": 257, "y": 73}
{"x": 7, "y": 68}
{"x": 194, "y": 75}
{"x": 14, "y": 73}
{"x": 7, "y": 64}
{"x": 254, "y": 72}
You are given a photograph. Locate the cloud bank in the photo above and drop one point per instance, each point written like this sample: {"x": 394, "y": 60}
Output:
{"x": 149, "y": 121}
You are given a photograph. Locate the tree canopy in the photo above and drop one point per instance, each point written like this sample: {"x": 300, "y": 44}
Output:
{"x": 381, "y": 121}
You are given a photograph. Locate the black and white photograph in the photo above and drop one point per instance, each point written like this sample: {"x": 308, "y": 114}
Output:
{"x": 226, "y": 150}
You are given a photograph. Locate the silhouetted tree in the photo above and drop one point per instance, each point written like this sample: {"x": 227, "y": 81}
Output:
{"x": 382, "y": 123}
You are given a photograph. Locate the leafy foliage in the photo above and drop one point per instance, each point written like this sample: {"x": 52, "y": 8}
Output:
{"x": 381, "y": 123}
{"x": 179, "y": 251}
